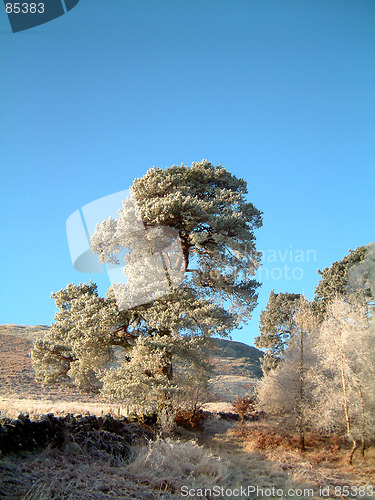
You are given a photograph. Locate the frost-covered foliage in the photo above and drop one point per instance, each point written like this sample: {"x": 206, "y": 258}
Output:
{"x": 351, "y": 279}
{"x": 187, "y": 239}
{"x": 345, "y": 374}
{"x": 287, "y": 390}
{"x": 192, "y": 220}
{"x": 189, "y": 224}
{"x": 362, "y": 275}
{"x": 81, "y": 341}
{"x": 126, "y": 355}
{"x": 326, "y": 379}
{"x": 159, "y": 369}
{"x": 152, "y": 256}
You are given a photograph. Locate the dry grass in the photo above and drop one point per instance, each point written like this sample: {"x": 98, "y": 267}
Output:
{"x": 11, "y": 408}
{"x": 70, "y": 476}
{"x": 155, "y": 471}
{"x": 325, "y": 463}
{"x": 175, "y": 463}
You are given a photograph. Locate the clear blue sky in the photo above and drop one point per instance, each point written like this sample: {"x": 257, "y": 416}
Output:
{"x": 280, "y": 92}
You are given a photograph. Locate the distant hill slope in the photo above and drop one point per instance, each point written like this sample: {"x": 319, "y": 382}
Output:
{"x": 236, "y": 366}
{"x": 17, "y": 378}
{"x": 228, "y": 356}
{"x": 236, "y": 358}
{"x": 24, "y": 331}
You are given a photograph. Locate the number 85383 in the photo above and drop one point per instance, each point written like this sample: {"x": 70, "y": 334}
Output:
{"x": 24, "y": 8}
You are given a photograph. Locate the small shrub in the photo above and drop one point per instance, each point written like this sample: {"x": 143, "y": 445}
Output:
{"x": 261, "y": 437}
{"x": 190, "y": 420}
{"x": 244, "y": 406}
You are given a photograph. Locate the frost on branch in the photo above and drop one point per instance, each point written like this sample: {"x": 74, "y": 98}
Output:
{"x": 152, "y": 258}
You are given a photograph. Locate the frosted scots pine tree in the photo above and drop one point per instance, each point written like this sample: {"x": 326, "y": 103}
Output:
{"x": 276, "y": 325}
{"x": 197, "y": 222}
{"x": 190, "y": 259}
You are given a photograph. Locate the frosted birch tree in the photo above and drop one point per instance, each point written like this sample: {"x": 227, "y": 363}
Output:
{"x": 345, "y": 376}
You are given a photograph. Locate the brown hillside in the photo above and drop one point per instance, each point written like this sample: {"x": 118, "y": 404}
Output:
{"x": 17, "y": 378}
{"x": 236, "y": 368}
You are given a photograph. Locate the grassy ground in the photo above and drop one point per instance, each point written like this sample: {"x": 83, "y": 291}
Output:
{"x": 157, "y": 470}
{"x": 224, "y": 455}
{"x": 262, "y": 457}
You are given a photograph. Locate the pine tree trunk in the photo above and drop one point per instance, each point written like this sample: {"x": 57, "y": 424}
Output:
{"x": 165, "y": 404}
